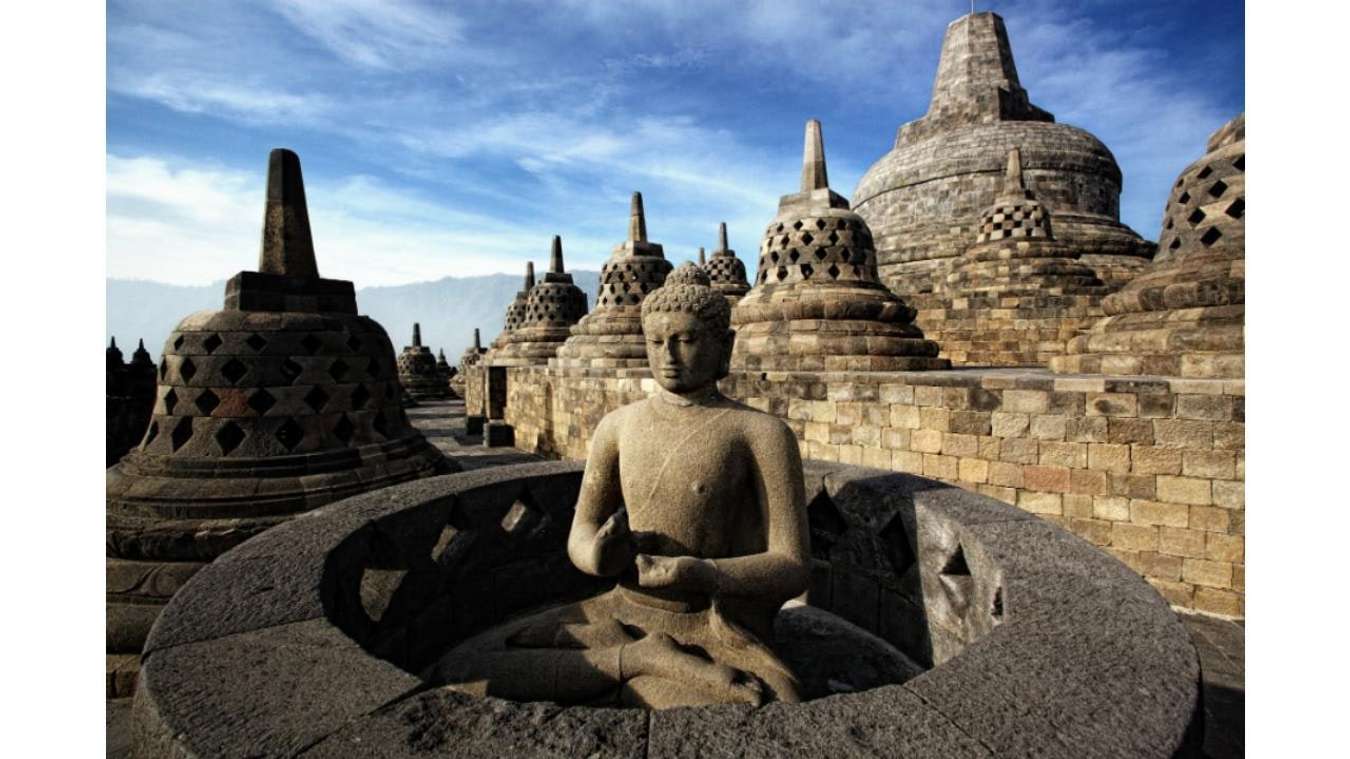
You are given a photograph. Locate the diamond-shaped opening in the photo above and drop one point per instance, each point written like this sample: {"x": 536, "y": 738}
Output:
{"x": 230, "y": 435}
{"x": 178, "y": 343}
{"x": 234, "y": 370}
{"x": 338, "y": 370}
{"x": 187, "y": 370}
{"x": 1181, "y": 181}
{"x": 182, "y": 432}
{"x": 793, "y": 255}
{"x": 1204, "y": 173}
{"x": 773, "y": 257}
{"x": 290, "y": 370}
{"x": 826, "y": 524}
{"x": 895, "y": 542}
{"x": 256, "y": 341}
{"x": 807, "y": 271}
{"x": 807, "y": 238}
{"x": 1176, "y": 243}
{"x": 344, "y": 430}
{"x": 311, "y": 344}
{"x": 1211, "y": 236}
{"x": 1240, "y": 163}
{"x": 360, "y": 396}
{"x": 782, "y": 273}
{"x": 821, "y": 253}
{"x": 1236, "y": 208}
{"x": 163, "y": 368}
{"x": 1169, "y": 222}
{"x": 170, "y": 400}
{"x": 151, "y": 434}
{"x": 1218, "y": 189}
{"x": 956, "y": 564}
{"x": 207, "y": 402}
{"x": 797, "y": 224}
{"x": 1196, "y": 217}
{"x": 354, "y": 343}
{"x": 820, "y": 223}
{"x": 380, "y": 425}
{"x": 316, "y": 398}
{"x": 289, "y": 434}
{"x": 833, "y": 238}
{"x": 261, "y": 400}
{"x": 833, "y": 271}
{"x": 1184, "y": 198}
{"x": 211, "y": 343}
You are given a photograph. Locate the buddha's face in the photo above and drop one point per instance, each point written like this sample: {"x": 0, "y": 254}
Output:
{"x": 684, "y": 353}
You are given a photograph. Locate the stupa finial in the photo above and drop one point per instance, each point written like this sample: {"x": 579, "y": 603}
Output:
{"x": 287, "y": 246}
{"x": 555, "y": 259}
{"x": 417, "y": 335}
{"x": 112, "y": 343}
{"x": 140, "y": 344}
{"x": 1013, "y": 174}
{"x": 529, "y": 275}
{"x": 477, "y": 342}
{"x": 721, "y": 237}
{"x": 702, "y": 258}
{"x": 813, "y": 159}
{"x": 637, "y": 220}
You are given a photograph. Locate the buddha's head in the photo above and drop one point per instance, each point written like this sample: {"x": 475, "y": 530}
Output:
{"x": 687, "y": 325}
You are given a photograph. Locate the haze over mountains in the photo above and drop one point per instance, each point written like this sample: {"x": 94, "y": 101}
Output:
{"x": 448, "y": 309}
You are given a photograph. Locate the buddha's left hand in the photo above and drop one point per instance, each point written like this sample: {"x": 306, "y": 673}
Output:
{"x": 676, "y": 572}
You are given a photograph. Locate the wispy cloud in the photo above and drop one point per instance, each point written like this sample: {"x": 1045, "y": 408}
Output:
{"x": 381, "y": 34}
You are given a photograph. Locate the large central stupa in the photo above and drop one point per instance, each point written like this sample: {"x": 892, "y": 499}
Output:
{"x": 924, "y": 199}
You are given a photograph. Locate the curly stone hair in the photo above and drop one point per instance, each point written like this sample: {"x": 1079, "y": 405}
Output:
{"x": 689, "y": 290}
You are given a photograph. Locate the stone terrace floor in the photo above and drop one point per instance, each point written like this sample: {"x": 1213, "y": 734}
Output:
{"x": 1221, "y": 643}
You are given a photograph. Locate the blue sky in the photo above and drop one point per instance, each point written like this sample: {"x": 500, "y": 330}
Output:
{"x": 456, "y": 138}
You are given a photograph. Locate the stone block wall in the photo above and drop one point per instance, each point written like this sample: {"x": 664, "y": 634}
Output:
{"x": 1150, "y": 469}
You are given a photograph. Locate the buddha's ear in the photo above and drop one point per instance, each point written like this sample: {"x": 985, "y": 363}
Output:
{"x": 728, "y": 342}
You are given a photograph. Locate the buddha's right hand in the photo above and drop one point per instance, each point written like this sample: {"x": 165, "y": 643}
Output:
{"x": 614, "y": 546}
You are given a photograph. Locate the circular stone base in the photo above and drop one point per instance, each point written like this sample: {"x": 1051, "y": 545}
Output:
{"x": 830, "y": 655}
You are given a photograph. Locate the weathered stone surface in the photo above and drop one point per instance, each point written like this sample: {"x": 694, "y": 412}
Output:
{"x": 283, "y": 401}
{"x": 1184, "y": 316}
{"x": 545, "y": 318}
{"x": 924, "y": 198}
{"x": 817, "y": 304}
{"x": 724, "y": 269}
{"x": 130, "y": 390}
{"x": 420, "y": 374}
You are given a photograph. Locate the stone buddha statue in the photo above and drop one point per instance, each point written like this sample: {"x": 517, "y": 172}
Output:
{"x": 694, "y": 503}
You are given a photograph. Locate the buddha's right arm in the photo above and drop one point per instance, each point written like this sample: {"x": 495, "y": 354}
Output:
{"x": 593, "y": 546}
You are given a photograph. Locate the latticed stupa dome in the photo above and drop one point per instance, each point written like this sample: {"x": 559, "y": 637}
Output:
{"x": 817, "y": 304}
{"x": 1184, "y": 316}
{"x": 417, "y": 370}
{"x": 473, "y": 354}
{"x": 611, "y": 335}
{"x": 552, "y": 306}
{"x": 282, "y": 401}
{"x": 726, "y": 271}
{"x": 515, "y": 313}
{"x": 924, "y": 199}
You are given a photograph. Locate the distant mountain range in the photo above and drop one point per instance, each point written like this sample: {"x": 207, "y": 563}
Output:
{"x": 448, "y": 309}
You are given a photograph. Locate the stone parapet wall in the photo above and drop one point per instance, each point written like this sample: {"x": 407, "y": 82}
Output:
{"x": 1151, "y": 469}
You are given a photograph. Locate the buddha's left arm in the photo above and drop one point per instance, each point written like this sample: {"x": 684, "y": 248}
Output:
{"x": 783, "y": 570}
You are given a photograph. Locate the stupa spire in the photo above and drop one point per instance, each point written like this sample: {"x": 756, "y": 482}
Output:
{"x": 721, "y": 237}
{"x": 112, "y": 343}
{"x": 417, "y": 335}
{"x": 555, "y": 258}
{"x": 813, "y": 160}
{"x": 702, "y": 258}
{"x": 637, "y": 220}
{"x": 287, "y": 245}
{"x": 529, "y": 275}
{"x": 477, "y": 342}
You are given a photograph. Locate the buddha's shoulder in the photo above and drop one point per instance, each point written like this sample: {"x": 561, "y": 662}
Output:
{"x": 752, "y": 421}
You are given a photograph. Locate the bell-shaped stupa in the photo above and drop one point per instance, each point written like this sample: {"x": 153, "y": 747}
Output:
{"x": 1184, "y": 316}
{"x": 417, "y": 371}
{"x": 924, "y": 199}
{"x": 473, "y": 354}
{"x": 610, "y": 337}
{"x": 1018, "y": 293}
{"x": 817, "y": 304}
{"x": 726, "y": 271}
{"x": 515, "y": 313}
{"x": 280, "y": 402}
{"x": 551, "y": 308}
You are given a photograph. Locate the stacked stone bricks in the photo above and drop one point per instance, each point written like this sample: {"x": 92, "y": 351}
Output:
{"x": 546, "y": 317}
{"x": 417, "y": 371}
{"x": 1183, "y": 317}
{"x": 724, "y": 269}
{"x": 817, "y": 304}
{"x": 610, "y": 337}
{"x": 284, "y": 400}
{"x": 924, "y": 199}
{"x": 130, "y": 392}
{"x": 1018, "y": 294}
